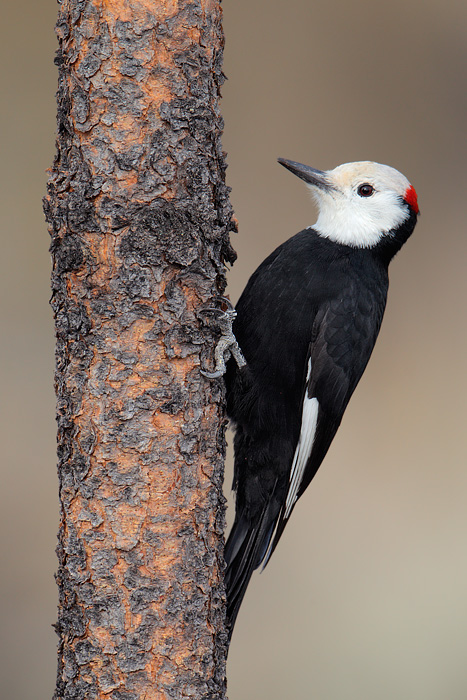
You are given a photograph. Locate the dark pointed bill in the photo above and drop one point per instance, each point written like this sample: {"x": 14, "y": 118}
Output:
{"x": 310, "y": 175}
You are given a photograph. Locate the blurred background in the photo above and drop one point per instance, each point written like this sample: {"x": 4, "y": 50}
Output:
{"x": 366, "y": 595}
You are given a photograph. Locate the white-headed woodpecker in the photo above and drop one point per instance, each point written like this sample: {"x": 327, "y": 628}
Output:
{"x": 306, "y": 323}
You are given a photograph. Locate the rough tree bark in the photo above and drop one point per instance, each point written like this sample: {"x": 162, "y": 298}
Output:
{"x": 139, "y": 217}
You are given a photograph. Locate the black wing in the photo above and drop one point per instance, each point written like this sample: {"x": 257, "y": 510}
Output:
{"x": 344, "y": 336}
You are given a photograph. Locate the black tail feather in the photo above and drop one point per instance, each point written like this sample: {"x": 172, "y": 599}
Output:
{"x": 244, "y": 551}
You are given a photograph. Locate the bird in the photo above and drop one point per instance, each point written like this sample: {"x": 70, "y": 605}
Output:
{"x": 306, "y": 323}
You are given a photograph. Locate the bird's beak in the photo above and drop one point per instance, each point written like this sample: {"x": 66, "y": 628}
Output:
{"x": 317, "y": 178}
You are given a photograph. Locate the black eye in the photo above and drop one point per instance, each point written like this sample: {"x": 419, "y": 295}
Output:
{"x": 365, "y": 190}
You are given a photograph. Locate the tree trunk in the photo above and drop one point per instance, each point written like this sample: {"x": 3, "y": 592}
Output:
{"x": 139, "y": 217}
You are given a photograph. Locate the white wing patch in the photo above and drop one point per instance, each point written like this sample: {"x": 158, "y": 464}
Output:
{"x": 302, "y": 454}
{"x": 304, "y": 446}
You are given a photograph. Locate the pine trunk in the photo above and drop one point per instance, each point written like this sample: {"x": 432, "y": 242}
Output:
{"x": 139, "y": 217}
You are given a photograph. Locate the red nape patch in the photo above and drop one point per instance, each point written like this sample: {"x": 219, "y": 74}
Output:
{"x": 411, "y": 199}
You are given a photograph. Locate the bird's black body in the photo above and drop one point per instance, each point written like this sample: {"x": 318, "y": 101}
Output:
{"x": 307, "y": 323}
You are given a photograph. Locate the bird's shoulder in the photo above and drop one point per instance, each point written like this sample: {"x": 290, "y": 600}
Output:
{"x": 306, "y": 272}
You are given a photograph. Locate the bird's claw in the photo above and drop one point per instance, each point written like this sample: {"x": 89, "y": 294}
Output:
{"x": 228, "y": 313}
{"x": 227, "y": 345}
{"x": 212, "y": 375}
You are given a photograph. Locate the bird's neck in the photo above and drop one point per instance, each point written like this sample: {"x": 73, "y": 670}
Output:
{"x": 392, "y": 242}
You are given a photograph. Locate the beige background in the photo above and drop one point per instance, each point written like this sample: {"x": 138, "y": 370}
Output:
{"x": 365, "y": 597}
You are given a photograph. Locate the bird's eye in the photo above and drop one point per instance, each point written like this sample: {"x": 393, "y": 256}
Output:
{"x": 365, "y": 190}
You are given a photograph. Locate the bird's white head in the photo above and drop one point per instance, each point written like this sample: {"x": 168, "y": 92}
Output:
{"x": 359, "y": 203}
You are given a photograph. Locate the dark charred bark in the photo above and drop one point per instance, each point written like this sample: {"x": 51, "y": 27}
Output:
{"x": 139, "y": 217}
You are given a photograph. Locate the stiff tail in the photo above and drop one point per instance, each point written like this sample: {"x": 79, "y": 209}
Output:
{"x": 245, "y": 549}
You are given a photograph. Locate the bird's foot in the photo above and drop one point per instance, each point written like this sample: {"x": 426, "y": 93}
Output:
{"x": 227, "y": 345}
